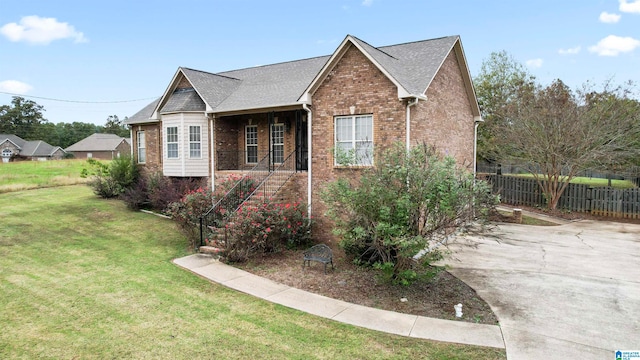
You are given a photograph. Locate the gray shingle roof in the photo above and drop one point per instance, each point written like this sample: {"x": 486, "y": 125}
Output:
{"x": 37, "y": 148}
{"x": 214, "y": 88}
{"x": 97, "y": 142}
{"x": 183, "y": 100}
{"x": 415, "y": 64}
{"x": 18, "y": 141}
{"x": 30, "y": 147}
{"x": 143, "y": 115}
{"x": 271, "y": 85}
{"x": 411, "y": 65}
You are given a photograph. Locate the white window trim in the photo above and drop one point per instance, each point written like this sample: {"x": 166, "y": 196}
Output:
{"x": 141, "y": 135}
{"x": 195, "y": 142}
{"x": 177, "y": 142}
{"x": 273, "y": 126}
{"x": 353, "y": 140}
{"x": 247, "y": 145}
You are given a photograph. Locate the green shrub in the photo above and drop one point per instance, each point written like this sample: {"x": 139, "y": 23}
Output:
{"x": 401, "y": 206}
{"x": 113, "y": 179}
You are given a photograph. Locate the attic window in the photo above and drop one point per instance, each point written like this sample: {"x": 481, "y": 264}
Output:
{"x": 184, "y": 90}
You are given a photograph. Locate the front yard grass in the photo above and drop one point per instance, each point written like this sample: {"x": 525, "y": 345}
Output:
{"x": 23, "y": 175}
{"x": 82, "y": 277}
{"x": 594, "y": 182}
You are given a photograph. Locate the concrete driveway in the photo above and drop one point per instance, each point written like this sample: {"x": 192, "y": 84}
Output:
{"x": 560, "y": 292}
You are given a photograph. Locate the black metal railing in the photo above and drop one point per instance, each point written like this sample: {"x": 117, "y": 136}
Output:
{"x": 265, "y": 179}
{"x": 276, "y": 179}
{"x": 239, "y": 192}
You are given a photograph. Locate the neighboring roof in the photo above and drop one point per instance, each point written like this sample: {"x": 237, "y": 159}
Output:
{"x": 38, "y": 148}
{"x": 410, "y": 66}
{"x": 97, "y": 142}
{"x": 30, "y": 147}
{"x": 16, "y": 140}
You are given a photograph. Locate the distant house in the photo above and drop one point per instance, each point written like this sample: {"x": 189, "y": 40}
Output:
{"x": 100, "y": 146}
{"x": 13, "y": 147}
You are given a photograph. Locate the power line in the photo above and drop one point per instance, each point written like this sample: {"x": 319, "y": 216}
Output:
{"x": 78, "y": 101}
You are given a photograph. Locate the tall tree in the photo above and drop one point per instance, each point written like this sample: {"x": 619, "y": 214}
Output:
{"x": 22, "y": 118}
{"x": 498, "y": 87}
{"x": 557, "y": 133}
{"x": 115, "y": 126}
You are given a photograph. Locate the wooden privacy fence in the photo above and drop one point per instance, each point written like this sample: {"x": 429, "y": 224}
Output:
{"x": 604, "y": 201}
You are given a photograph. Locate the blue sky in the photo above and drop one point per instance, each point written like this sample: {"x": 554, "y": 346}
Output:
{"x": 94, "y": 53}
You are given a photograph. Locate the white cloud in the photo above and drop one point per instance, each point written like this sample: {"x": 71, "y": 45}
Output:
{"x": 15, "y": 87}
{"x": 630, "y": 7}
{"x": 607, "y": 18}
{"x": 370, "y": 2}
{"x": 534, "y": 63}
{"x": 614, "y": 45}
{"x": 42, "y": 31}
{"x": 569, "y": 51}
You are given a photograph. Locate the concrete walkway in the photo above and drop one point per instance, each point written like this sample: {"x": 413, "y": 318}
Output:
{"x": 559, "y": 292}
{"x": 374, "y": 319}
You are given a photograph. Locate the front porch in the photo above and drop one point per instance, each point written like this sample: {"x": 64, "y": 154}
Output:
{"x": 264, "y": 140}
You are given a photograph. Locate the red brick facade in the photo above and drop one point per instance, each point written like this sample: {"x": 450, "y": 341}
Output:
{"x": 354, "y": 86}
{"x": 445, "y": 119}
{"x": 153, "y": 146}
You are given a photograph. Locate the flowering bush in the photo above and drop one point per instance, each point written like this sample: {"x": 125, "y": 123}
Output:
{"x": 187, "y": 211}
{"x": 266, "y": 228}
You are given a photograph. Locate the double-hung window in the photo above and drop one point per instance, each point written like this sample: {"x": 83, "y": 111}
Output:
{"x": 354, "y": 140}
{"x": 142, "y": 151}
{"x": 195, "y": 142}
{"x": 251, "y": 143}
{"x": 172, "y": 142}
{"x": 277, "y": 143}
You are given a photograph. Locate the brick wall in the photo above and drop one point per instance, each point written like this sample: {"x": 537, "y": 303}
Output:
{"x": 445, "y": 118}
{"x": 357, "y": 82}
{"x": 152, "y": 134}
{"x": 123, "y": 148}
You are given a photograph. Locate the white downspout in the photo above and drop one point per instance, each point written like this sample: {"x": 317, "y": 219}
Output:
{"x": 411, "y": 103}
{"x": 133, "y": 142}
{"x": 212, "y": 146}
{"x": 309, "y": 156}
{"x": 477, "y": 120}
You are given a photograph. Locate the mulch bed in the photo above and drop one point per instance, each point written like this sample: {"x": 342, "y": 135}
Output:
{"x": 359, "y": 285}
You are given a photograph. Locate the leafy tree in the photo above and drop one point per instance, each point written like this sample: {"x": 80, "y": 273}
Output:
{"x": 557, "y": 132}
{"x": 22, "y": 118}
{"x": 397, "y": 208}
{"x": 498, "y": 87}
{"x": 115, "y": 126}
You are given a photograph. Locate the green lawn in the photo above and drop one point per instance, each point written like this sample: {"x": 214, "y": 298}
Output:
{"x": 85, "y": 278}
{"x": 595, "y": 182}
{"x": 23, "y": 175}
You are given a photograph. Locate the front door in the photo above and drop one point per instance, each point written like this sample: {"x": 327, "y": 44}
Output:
{"x": 277, "y": 143}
